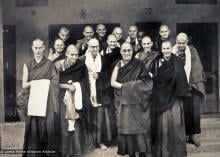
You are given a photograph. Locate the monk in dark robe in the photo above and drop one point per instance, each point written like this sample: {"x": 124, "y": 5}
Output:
{"x": 147, "y": 55}
{"x": 75, "y": 139}
{"x": 133, "y": 87}
{"x": 41, "y": 132}
{"x": 196, "y": 80}
{"x": 169, "y": 89}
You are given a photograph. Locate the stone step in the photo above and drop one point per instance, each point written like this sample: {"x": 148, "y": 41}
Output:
{"x": 206, "y": 146}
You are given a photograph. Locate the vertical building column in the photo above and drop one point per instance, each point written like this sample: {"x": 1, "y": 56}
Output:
{"x": 2, "y": 104}
{"x": 218, "y": 64}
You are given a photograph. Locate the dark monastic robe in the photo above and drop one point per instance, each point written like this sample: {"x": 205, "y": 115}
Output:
{"x": 79, "y": 141}
{"x": 82, "y": 45}
{"x": 148, "y": 59}
{"x": 102, "y": 41}
{"x": 133, "y": 109}
{"x": 193, "y": 104}
{"x": 42, "y": 133}
{"x": 169, "y": 89}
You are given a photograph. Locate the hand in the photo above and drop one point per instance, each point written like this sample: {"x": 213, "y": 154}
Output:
{"x": 72, "y": 88}
{"x": 95, "y": 75}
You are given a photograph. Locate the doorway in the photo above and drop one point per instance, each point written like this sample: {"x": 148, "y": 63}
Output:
{"x": 9, "y": 55}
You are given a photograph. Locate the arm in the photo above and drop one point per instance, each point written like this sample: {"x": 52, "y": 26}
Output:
{"x": 25, "y": 83}
{"x": 70, "y": 87}
{"x": 114, "y": 83}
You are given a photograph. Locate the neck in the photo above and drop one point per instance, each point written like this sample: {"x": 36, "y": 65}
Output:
{"x": 147, "y": 52}
{"x": 167, "y": 57}
{"x": 38, "y": 59}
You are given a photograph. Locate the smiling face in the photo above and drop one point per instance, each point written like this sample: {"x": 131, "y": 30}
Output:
{"x": 72, "y": 54}
{"x": 101, "y": 30}
{"x": 58, "y": 45}
{"x": 126, "y": 52}
{"x": 166, "y": 49}
{"x": 112, "y": 41}
{"x": 88, "y": 32}
{"x": 147, "y": 44}
{"x": 38, "y": 48}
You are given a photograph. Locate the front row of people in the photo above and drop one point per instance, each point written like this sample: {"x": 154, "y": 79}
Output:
{"x": 145, "y": 113}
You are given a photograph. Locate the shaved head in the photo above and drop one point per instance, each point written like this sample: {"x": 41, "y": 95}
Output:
{"x": 181, "y": 41}
{"x": 88, "y": 32}
{"x": 118, "y": 32}
{"x": 93, "y": 41}
{"x": 64, "y": 33}
{"x": 112, "y": 41}
{"x": 71, "y": 48}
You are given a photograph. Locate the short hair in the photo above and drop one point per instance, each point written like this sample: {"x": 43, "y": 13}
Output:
{"x": 182, "y": 35}
{"x": 38, "y": 40}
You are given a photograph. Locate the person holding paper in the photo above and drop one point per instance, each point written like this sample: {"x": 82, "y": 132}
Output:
{"x": 41, "y": 129}
{"x": 74, "y": 136}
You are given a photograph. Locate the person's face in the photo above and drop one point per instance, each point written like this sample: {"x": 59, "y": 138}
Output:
{"x": 126, "y": 52}
{"x": 112, "y": 42}
{"x": 132, "y": 32}
{"x": 64, "y": 35}
{"x": 101, "y": 30}
{"x": 72, "y": 56}
{"x": 164, "y": 32}
{"x": 147, "y": 44}
{"x": 38, "y": 49}
{"x": 94, "y": 48}
{"x": 181, "y": 44}
{"x": 58, "y": 46}
{"x": 88, "y": 33}
{"x": 118, "y": 34}
{"x": 166, "y": 50}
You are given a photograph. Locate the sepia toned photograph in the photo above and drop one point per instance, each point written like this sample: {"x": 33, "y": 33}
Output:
{"x": 110, "y": 78}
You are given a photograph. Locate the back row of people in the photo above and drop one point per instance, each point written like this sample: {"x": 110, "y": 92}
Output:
{"x": 96, "y": 122}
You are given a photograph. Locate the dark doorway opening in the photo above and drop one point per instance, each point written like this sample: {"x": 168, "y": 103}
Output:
{"x": 204, "y": 36}
{"x": 9, "y": 54}
{"x": 149, "y": 28}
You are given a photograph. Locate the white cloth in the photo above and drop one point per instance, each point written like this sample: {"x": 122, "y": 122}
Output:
{"x": 93, "y": 66}
{"x": 37, "y": 103}
{"x": 188, "y": 64}
{"x": 73, "y": 100}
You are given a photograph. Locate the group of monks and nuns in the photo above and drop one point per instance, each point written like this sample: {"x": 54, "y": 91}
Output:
{"x": 196, "y": 78}
{"x": 133, "y": 87}
{"x": 118, "y": 32}
{"x": 164, "y": 35}
{"x": 101, "y": 35}
{"x": 74, "y": 136}
{"x": 147, "y": 55}
{"x": 170, "y": 87}
{"x": 99, "y": 111}
{"x": 133, "y": 38}
{"x": 41, "y": 127}
{"x": 82, "y": 44}
{"x": 57, "y": 52}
